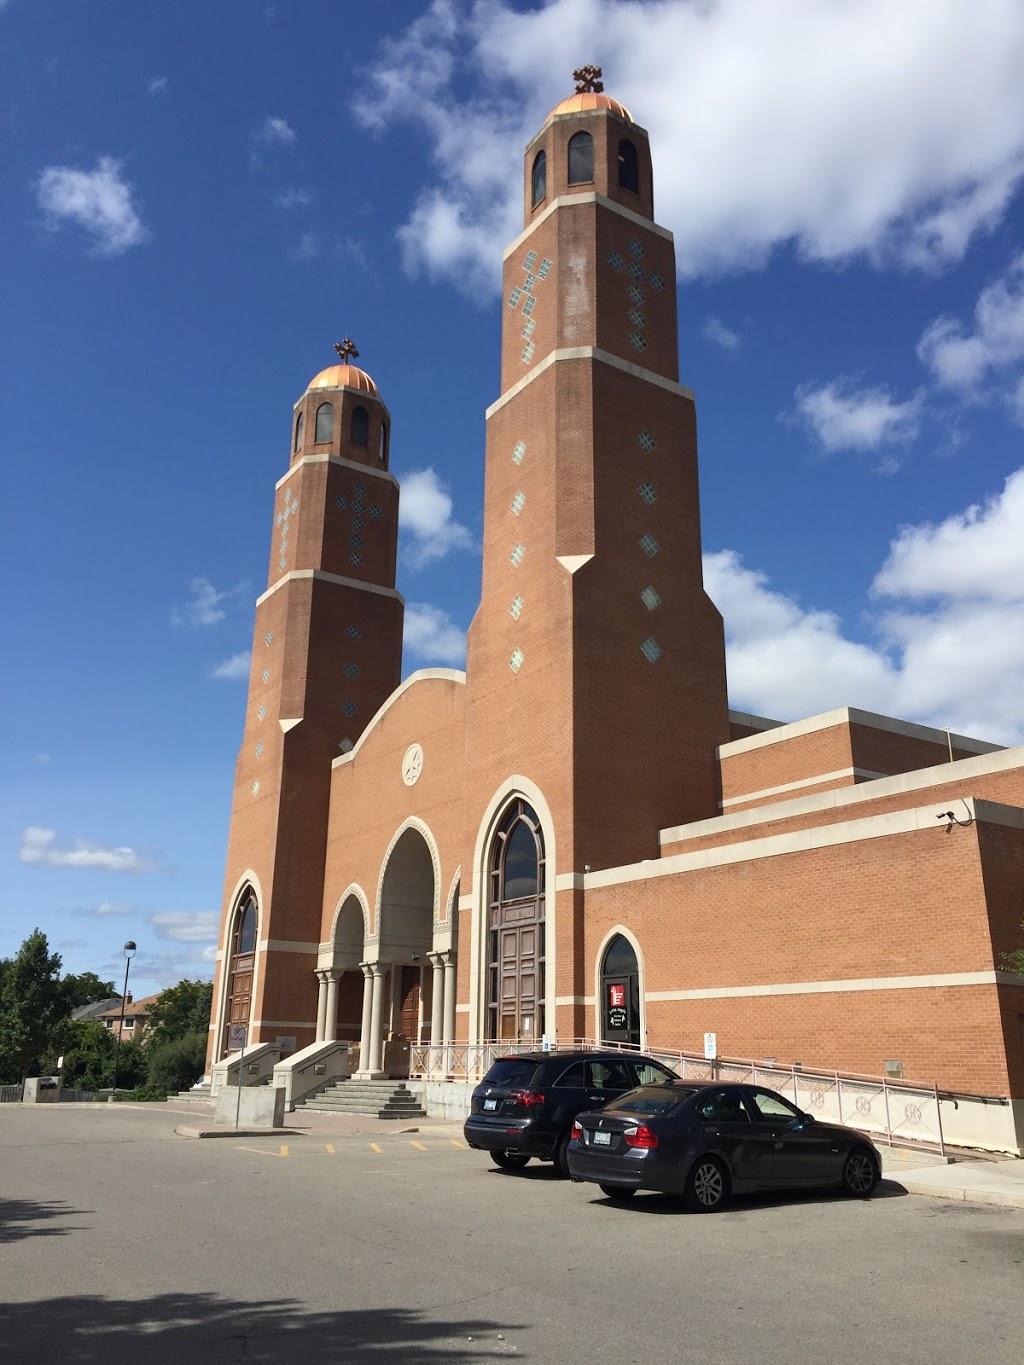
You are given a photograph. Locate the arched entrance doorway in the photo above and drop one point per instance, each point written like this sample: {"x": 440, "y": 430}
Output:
{"x": 620, "y": 993}
{"x": 515, "y": 927}
{"x": 347, "y": 997}
{"x": 406, "y": 938}
{"x": 241, "y": 965}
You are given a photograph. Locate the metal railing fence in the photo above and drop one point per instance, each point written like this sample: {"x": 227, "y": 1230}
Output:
{"x": 896, "y": 1111}
{"x": 10, "y": 1094}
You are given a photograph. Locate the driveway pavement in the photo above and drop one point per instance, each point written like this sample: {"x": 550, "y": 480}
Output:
{"x": 121, "y": 1242}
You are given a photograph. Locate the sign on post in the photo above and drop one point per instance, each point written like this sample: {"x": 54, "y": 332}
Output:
{"x": 710, "y": 1046}
{"x": 236, "y": 1037}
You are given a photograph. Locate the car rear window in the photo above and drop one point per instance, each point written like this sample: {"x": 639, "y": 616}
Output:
{"x": 513, "y": 1071}
{"x": 653, "y": 1100}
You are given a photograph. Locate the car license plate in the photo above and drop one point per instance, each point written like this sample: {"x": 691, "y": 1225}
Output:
{"x": 490, "y": 1104}
{"x": 602, "y": 1139}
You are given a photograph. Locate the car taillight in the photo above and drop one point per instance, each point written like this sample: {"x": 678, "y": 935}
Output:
{"x": 577, "y": 1131}
{"x": 641, "y": 1137}
{"x": 526, "y": 1097}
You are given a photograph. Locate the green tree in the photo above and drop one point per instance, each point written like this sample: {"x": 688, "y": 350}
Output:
{"x": 1014, "y": 962}
{"x": 88, "y": 1050}
{"x": 32, "y": 1006}
{"x": 86, "y": 988}
{"x": 177, "y": 1065}
{"x": 178, "y": 1011}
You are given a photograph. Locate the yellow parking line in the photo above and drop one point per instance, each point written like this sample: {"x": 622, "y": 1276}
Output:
{"x": 457, "y": 1143}
{"x": 418, "y": 1145}
{"x": 377, "y": 1149}
{"x": 329, "y": 1146}
{"x": 284, "y": 1150}
{"x": 264, "y": 1151}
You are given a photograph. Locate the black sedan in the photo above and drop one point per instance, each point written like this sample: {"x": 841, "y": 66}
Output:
{"x": 705, "y": 1142}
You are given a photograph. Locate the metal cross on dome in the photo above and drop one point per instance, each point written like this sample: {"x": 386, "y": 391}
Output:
{"x": 345, "y": 349}
{"x": 588, "y": 80}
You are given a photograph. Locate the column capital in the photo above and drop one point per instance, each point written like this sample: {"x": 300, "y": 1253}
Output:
{"x": 334, "y": 973}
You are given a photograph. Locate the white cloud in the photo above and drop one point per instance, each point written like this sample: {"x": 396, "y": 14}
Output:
{"x": 156, "y": 85}
{"x": 431, "y": 635}
{"x": 845, "y": 418}
{"x": 207, "y": 605}
{"x": 944, "y": 644}
{"x": 292, "y": 199}
{"x": 237, "y": 666}
{"x": 716, "y": 332}
{"x": 963, "y": 359}
{"x": 186, "y": 926}
{"x": 38, "y": 846}
{"x": 100, "y": 201}
{"x": 425, "y": 517}
{"x": 275, "y": 132}
{"x": 890, "y": 130}
{"x": 42, "y": 760}
{"x": 316, "y": 245}
{"x": 105, "y": 909}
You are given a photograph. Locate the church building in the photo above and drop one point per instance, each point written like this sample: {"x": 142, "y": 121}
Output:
{"x": 576, "y": 838}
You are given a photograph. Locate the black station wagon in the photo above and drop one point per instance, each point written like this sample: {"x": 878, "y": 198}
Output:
{"x": 525, "y": 1106}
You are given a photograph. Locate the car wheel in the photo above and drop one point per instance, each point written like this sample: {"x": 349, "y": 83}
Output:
{"x": 860, "y": 1174}
{"x": 707, "y": 1186}
{"x": 562, "y": 1158}
{"x": 508, "y": 1160}
{"x": 618, "y": 1194}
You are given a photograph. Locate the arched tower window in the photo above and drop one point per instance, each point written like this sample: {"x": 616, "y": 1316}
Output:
{"x": 383, "y": 450}
{"x": 629, "y": 169}
{"x": 581, "y": 158}
{"x": 620, "y": 993}
{"x": 298, "y": 431}
{"x": 324, "y": 422}
{"x": 540, "y": 177}
{"x": 515, "y": 928}
{"x": 241, "y": 963}
{"x": 360, "y": 430}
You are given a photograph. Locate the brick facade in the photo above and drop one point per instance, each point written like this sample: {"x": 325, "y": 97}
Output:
{"x": 790, "y": 887}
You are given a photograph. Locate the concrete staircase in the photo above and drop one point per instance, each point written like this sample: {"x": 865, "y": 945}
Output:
{"x": 201, "y": 1093}
{"x": 381, "y": 1099}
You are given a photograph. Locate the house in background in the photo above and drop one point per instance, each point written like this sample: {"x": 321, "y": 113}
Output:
{"x": 136, "y": 1017}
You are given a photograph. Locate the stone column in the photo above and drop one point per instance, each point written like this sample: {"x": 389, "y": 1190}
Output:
{"x": 331, "y": 1032}
{"x": 436, "y": 1012}
{"x": 449, "y": 997}
{"x": 321, "y": 1006}
{"x": 376, "y": 1022}
{"x": 364, "y": 1032}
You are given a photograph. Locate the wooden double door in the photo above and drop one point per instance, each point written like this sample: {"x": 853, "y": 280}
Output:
{"x": 517, "y": 973}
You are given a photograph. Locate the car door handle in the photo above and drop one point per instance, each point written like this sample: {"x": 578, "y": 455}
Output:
{"x": 595, "y": 1099}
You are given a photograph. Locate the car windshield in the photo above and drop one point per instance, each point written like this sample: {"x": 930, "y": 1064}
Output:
{"x": 519, "y": 1072}
{"x": 660, "y": 1099}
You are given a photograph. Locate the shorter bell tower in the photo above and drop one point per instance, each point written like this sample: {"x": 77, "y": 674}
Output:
{"x": 327, "y": 652}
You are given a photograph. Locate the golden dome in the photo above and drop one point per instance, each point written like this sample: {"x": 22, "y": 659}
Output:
{"x": 581, "y": 103}
{"x": 338, "y": 376}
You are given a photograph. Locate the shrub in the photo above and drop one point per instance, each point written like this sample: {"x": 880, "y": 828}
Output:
{"x": 179, "y": 1064}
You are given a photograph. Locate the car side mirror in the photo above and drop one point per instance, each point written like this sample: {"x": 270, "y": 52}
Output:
{"x": 804, "y": 1121}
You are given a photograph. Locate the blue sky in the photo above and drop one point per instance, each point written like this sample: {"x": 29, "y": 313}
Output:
{"x": 202, "y": 197}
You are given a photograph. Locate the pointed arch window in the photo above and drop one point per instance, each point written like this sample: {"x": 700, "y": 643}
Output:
{"x": 324, "y": 422}
{"x": 620, "y": 993}
{"x": 629, "y": 167}
{"x": 299, "y": 422}
{"x": 515, "y": 937}
{"x": 383, "y": 449}
{"x": 540, "y": 177}
{"x": 359, "y": 433}
{"x": 581, "y": 158}
{"x": 241, "y": 963}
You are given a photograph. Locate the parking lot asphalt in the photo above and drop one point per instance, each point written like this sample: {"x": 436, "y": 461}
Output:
{"x": 120, "y": 1241}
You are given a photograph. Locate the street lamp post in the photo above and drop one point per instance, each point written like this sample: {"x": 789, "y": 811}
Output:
{"x": 129, "y": 953}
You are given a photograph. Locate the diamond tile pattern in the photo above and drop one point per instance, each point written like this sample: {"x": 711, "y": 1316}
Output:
{"x": 646, "y": 441}
{"x": 351, "y": 670}
{"x": 518, "y": 503}
{"x": 517, "y": 554}
{"x": 516, "y": 661}
{"x": 353, "y": 632}
{"x": 650, "y": 599}
{"x": 515, "y": 607}
{"x": 650, "y": 650}
{"x": 518, "y": 451}
{"x": 647, "y": 492}
{"x": 649, "y": 545}
{"x": 349, "y": 707}
{"x": 268, "y": 637}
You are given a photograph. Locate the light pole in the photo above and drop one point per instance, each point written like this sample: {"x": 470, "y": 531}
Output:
{"x": 129, "y": 953}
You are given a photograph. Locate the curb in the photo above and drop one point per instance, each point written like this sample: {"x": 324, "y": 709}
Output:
{"x": 994, "y": 1197}
{"x": 187, "y": 1131}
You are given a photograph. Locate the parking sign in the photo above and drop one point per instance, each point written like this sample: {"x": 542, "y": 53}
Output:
{"x": 236, "y": 1037}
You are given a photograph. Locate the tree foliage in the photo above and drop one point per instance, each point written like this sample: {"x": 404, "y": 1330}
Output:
{"x": 177, "y": 1065}
{"x": 179, "y": 1011}
{"x": 33, "y": 1005}
{"x": 1014, "y": 962}
{"x": 86, "y": 988}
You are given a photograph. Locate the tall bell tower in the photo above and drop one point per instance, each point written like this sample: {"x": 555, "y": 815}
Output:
{"x": 327, "y": 652}
{"x": 596, "y": 661}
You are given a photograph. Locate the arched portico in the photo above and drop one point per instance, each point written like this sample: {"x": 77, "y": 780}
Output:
{"x": 339, "y": 1003}
{"x": 400, "y": 973}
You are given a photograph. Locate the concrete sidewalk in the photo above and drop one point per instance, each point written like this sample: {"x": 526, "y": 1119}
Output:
{"x": 304, "y": 1121}
{"x": 998, "y": 1181}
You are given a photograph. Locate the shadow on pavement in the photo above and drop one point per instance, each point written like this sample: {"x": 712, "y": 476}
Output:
{"x": 666, "y": 1204}
{"x": 173, "y": 1328}
{"x": 22, "y": 1218}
